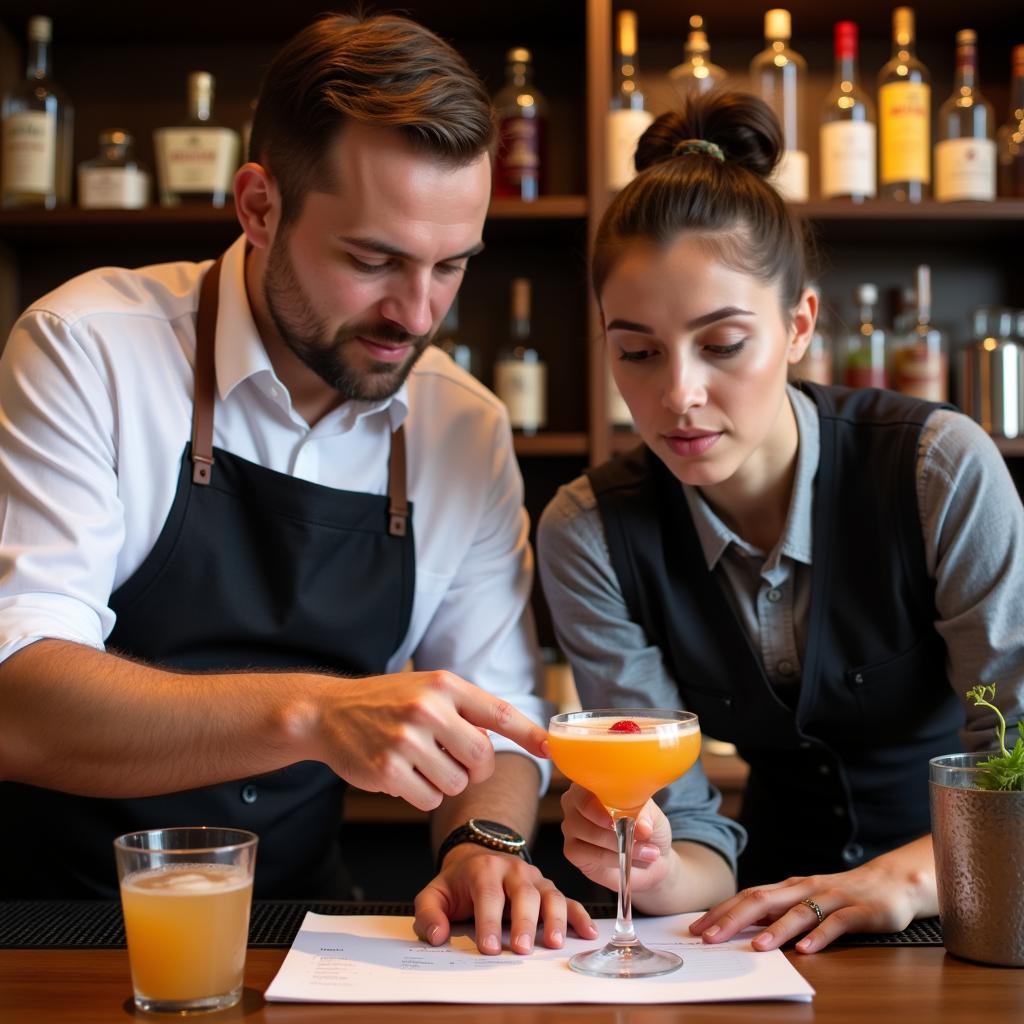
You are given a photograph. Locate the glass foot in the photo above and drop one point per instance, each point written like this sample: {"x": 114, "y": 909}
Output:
{"x": 625, "y": 961}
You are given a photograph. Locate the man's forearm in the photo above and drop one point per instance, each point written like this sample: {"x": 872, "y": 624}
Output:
{"x": 508, "y": 796}
{"x": 83, "y": 721}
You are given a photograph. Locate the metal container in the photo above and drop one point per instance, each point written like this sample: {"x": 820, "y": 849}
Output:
{"x": 979, "y": 863}
{"x": 991, "y": 372}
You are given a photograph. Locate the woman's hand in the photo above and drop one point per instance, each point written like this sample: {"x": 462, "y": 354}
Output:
{"x": 591, "y": 844}
{"x": 883, "y": 895}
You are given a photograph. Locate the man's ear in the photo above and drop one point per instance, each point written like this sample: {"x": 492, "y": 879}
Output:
{"x": 257, "y": 204}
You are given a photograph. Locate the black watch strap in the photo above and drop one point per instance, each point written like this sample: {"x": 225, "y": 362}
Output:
{"x": 490, "y": 834}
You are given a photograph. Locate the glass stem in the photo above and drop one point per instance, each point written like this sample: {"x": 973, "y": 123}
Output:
{"x": 624, "y": 934}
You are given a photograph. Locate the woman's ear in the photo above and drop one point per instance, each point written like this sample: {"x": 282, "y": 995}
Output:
{"x": 802, "y": 320}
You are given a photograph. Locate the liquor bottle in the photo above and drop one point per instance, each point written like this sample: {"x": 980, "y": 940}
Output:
{"x": 777, "y": 75}
{"x": 113, "y": 180}
{"x": 697, "y": 74}
{"x": 196, "y": 161}
{"x": 965, "y": 155}
{"x": 919, "y": 364}
{"x": 38, "y": 125}
{"x": 864, "y": 357}
{"x": 848, "y": 129}
{"x": 520, "y": 377}
{"x": 1010, "y": 140}
{"x": 448, "y": 340}
{"x": 904, "y": 117}
{"x": 520, "y": 165}
{"x": 627, "y": 118}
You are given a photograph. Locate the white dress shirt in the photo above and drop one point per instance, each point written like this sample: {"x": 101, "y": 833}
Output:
{"x": 96, "y": 389}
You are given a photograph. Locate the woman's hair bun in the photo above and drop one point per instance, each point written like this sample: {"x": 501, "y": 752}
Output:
{"x": 739, "y": 123}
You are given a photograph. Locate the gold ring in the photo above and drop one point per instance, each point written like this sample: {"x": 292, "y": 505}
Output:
{"x": 814, "y": 906}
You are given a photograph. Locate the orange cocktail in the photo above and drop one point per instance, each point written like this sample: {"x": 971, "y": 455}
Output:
{"x": 624, "y": 769}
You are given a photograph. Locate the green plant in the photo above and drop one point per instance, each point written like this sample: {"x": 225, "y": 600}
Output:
{"x": 1003, "y": 771}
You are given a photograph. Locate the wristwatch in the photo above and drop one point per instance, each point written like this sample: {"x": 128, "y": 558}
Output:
{"x": 491, "y": 834}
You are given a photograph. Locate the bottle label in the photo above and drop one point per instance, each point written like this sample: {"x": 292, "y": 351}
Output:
{"x": 523, "y": 388}
{"x": 790, "y": 176}
{"x": 965, "y": 169}
{"x": 112, "y": 188}
{"x": 921, "y": 371}
{"x": 30, "y": 152}
{"x": 624, "y": 130}
{"x": 196, "y": 159}
{"x": 905, "y": 117}
{"x": 848, "y": 150}
{"x": 518, "y": 165}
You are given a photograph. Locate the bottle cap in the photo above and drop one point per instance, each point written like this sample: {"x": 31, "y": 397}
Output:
{"x": 627, "y": 33}
{"x": 966, "y": 37}
{"x": 40, "y": 29}
{"x": 1018, "y": 59}
{"x": 866, "y": 294}
{"x": 115, "y": 137}
{"x": 519, "y": 55}
{"x": 903, "y": 25}
{"x": 777, "y": 24}
{"x": 697, "y": 40}
{"x": 846, "y": 40}
{"x": 520, "y": 298}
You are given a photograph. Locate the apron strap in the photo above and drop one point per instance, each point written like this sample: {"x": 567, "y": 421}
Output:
{"x": 202, "y": 406}
{"x": 398, "y": 505}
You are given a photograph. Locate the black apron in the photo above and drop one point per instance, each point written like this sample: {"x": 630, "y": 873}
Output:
{"x": 253, "y": 569}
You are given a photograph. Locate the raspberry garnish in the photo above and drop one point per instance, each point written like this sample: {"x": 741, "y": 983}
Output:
{"x": 625, "y": 725}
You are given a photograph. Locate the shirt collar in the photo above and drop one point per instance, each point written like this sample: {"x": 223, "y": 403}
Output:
{"x": 796, "y": 541}
{"x": 240, "y": 352}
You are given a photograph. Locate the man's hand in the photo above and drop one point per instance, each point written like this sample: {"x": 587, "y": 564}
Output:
{"x": 487, "y": 885}
{"x": 416, "y": 735}
{"x": 883, "y": 895}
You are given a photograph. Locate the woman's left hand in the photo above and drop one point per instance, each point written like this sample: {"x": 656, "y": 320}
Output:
{"x": 883, "y": 895}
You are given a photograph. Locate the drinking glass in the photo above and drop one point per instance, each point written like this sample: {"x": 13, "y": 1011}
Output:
{"x": 624, "y": 756}
{"x": 186, "y": 894}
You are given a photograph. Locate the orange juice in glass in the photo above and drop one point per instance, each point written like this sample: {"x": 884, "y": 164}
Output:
{"x": 186, "y": 894}
{"x": 624, "y": 756}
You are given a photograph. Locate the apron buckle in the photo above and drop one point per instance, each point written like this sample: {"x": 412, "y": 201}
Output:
{"x": 201, "y": 469}
{"x": 397, "y": 524}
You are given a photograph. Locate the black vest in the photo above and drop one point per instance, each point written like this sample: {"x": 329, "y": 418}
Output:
{"x": 844, "y": 775}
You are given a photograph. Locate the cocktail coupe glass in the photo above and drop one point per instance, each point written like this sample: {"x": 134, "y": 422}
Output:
{"x": 624, "y": 756}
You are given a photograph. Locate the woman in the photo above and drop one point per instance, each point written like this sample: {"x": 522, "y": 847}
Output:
{"x": 819, "y": 573}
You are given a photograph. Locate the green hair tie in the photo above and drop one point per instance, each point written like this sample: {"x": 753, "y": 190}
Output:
{"x": 698, "y": 146}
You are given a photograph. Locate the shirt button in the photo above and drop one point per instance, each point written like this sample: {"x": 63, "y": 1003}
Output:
{"x": 774, "y": 595}
{"x": 853, "y": 853}
{"x": 250, "y": 794}
{"x": 785, "y": 668}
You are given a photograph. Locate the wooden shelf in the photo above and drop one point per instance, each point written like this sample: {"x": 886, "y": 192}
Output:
{"x": 543, "y": 208}
{"x": 1010, "y": 447}
{"x": 574, "y": 443}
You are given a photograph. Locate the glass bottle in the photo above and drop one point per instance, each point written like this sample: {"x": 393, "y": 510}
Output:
{"x": 965, "y": 155}
{"x": 448, "y": 340}
{"x": 848, "y": 130}
{"x": 904, "y": 117}
{"x": 38, "y": 122}
{"x": 520, "y": 165}
{"x": 196, "y": 162}
{"x": 627, "y": 118}
{"x": 919, "y": 364}
{"x": 114, "y": 179}
{"x": 1011, "y": 135}
{"x": 864, "y": 355}
{"x": 778, "y": 76}
{"x": 520, "y": 377}
{"x": 697, "y": 74}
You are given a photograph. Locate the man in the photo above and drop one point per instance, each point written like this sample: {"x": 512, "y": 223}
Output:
{"x": 219, "y": 634}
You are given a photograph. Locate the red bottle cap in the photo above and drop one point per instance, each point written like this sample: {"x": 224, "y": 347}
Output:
{"x": 846, "y": 40}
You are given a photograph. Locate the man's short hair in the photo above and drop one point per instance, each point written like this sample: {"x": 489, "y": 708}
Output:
{"x": 385, "y": 71}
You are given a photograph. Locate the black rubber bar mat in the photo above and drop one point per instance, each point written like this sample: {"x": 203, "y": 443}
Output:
{"x": 97, "y": 924}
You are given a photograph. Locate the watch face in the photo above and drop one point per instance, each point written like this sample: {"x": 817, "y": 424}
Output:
{"x": 497, "y": 832}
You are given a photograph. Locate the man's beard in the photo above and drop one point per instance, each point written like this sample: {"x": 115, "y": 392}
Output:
{"x": 305, "y": 335}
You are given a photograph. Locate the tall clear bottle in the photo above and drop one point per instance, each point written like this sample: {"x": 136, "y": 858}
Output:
{"x": 38, "y": 127}
{"x": 863, "y": 359}
{"x": 520, "y": 164}
{"x": 1010, "y": 138}
{"x": 627, "y": 118}
{"x": 196, "y": 161}
{"x": 904, "y": 117}
{"x": 848, "y": 131}
{"x": 520, "y": 376}
{"x": 778, "y": 75}
{"x": 697, "y": 73}
{"x": 965, "y": 154}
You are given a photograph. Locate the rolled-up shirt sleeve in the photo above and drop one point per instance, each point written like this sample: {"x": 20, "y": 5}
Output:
{"x": 613, "y": 662}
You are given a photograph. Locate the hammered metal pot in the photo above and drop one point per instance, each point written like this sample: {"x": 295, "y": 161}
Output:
{"x": 979, "y": 863}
